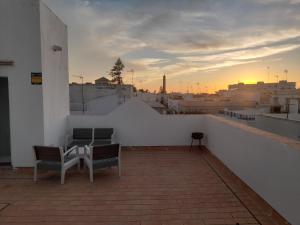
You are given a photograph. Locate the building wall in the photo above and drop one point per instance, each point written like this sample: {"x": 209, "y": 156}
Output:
{"x": 90, "y": 91}
{"x": 95, "y": 95}
{"x": 268, "y": 163}
{"x": 20, "y": 41}
{"x": 55, "y": 76}
{"x": 102, "y": 105}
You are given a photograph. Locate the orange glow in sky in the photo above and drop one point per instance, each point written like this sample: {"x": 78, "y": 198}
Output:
{"x": 201, "y": 46}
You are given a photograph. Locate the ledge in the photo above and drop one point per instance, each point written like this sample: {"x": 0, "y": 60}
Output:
{"x": 285, "y": 140}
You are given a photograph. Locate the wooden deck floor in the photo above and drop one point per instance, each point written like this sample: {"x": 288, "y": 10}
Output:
{"x": 159, "y": 185}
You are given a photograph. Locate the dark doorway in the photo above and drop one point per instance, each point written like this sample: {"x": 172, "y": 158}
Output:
{"x": 4, "y": 122}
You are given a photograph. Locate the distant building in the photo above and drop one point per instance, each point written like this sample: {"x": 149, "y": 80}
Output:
{"x": 284, "y": 103}
{"x": 260, "y": 92}
{"x": 99, "y": 98}
{"x": 103, "y": 82}
{"x": 206, "y": 105}
{"x": 153, "y": 100}
{"x": 281, "y": 85}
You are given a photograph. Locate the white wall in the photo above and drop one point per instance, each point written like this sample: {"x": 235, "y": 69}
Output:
{"x": 268, "y": 163}
{"x": 102, "y": 105}
{"x": 137, "y": 124}
{"x": 20, "y": 41}
{"x": 294, "y": 106}
{"x": 55, "y": 76}
{"x": 90, "y": 92}
{"x": 37, "y": 112}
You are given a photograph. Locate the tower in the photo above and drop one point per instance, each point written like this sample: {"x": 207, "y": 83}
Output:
{"x": 164, "y": 89}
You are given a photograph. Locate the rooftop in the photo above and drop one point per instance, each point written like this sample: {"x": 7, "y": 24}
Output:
{"x": 159, "y": 185}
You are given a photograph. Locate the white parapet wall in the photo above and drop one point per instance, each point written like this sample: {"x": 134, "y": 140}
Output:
{"x": 137, "y": 124}
{"x": 268, "y": 163}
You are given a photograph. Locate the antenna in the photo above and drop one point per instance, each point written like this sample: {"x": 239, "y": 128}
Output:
{"x": 286, "y": 72}
{"x": 132, "y": 73}
{"x": 82, "y": 95}
{"x": 268, "y": 69}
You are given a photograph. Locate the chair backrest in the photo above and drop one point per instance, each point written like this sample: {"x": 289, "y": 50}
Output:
{"x": 103, "y": 133}
{"x": 47, "y": 153}
{"x": 83, "y": 133}
{"x": 105, "y": 151}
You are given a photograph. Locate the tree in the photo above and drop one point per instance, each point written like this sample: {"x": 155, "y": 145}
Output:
{"x": 134, "y": 89}
{"x": 116, "y": 72}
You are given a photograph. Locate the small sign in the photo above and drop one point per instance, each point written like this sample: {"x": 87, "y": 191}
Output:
{"x": 6, "y": 63}
{"x": 36, "y": 78}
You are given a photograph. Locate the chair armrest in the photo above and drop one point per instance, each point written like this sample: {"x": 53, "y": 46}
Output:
{"x": 72, "y": 149}
{"x": 86, "y": 148}
{"x": 37, "y": 161}
{"x": 68, "y": 139}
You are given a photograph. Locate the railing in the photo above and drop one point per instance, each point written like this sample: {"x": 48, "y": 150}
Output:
{"x": 241, "y": 116}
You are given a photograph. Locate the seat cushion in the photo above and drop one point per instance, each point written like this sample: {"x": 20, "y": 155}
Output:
{"x": 79, "y": 143}
{"x": 101, "y": 142}
{"x": 49, "y": 165}
{"x": 103, "y": 163}
{"x": 54, "y": 165}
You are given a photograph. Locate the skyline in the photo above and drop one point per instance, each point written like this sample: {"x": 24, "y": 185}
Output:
{"x": 210, "y": 42}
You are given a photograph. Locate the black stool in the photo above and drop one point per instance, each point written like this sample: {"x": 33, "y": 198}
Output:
{"x": 196, "y": 136}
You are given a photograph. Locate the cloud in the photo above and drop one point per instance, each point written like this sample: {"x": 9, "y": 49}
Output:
{"x": 187, "y": 36}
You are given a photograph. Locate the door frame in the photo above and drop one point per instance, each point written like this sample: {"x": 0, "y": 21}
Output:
{"x": 7, "y": 162}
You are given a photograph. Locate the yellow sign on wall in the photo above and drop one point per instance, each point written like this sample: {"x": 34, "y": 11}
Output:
{"x": 36, "y": 78}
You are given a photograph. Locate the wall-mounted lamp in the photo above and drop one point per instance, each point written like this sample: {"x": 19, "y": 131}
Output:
{"x": 6, "y": 63}
{"x": 56, "y": 48}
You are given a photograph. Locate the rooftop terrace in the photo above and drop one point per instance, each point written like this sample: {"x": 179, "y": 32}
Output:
{"x": 159, "y": 185}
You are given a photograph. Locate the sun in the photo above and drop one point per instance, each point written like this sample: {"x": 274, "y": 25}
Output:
{"x": 249, "y": 81}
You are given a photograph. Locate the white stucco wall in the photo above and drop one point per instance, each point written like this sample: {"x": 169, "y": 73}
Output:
{"x": 102, "y": 105}
{"x": 268, "y": 163}
{"x": 137, "y": 124}
{"x": 55, "y": 76}
{"x": 37, "y": 112}
{"x": 20, "y": 41}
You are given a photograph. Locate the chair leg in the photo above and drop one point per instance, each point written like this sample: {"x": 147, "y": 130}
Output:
{"x": 35, "y": 173}
{"x": 119, "y": 168}
{"x": 62, "y": 176}
{"x": 191, "y": 145}
{"x": 91, "y": 175}
{"x": 78, "y": 165}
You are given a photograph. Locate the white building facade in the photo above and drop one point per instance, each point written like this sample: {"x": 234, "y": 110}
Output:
{"x": 34, "y": 40}
{"x": 99, "y": 98}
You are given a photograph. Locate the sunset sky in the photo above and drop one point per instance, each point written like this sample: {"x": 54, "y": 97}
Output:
{"x": 201, "y": 45}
